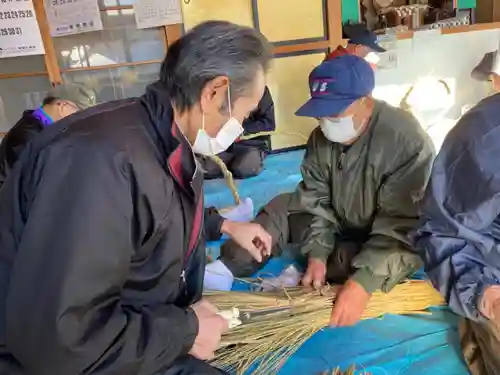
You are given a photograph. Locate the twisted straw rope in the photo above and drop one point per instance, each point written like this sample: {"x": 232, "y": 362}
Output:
{"x": 228, "y": 176}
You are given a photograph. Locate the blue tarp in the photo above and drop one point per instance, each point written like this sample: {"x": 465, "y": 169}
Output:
{"x": 393, "y": 345}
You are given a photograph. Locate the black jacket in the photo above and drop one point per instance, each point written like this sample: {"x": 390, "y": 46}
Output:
{"x": 14, "y": 142}
{"x": 260, "y": 120}
{"x": 101, "y": 244}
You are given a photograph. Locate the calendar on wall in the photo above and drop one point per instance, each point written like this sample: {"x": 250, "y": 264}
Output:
{"x": 68, "y": 17}
{"x": 154, "y": 13}
{"x": 19, "y": 32}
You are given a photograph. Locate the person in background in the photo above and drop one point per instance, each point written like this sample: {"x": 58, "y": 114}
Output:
{"x": 62, "y": 101}
{"x": 245, "y": 158}
{"x": 488, "y": 70}
{"x": 102, "y": 247}
{"x": 361, "y": 42}
{"x": 459, "y": 237}
{"x": 365, "y": 168}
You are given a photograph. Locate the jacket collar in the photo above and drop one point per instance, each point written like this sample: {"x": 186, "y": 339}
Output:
{"x": 179, "y": 157}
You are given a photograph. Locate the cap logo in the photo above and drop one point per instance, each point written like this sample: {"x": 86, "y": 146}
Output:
{"x": 320, "y": 86}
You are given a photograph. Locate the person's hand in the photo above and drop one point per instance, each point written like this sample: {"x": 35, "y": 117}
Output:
{"x": 250, "y": 236}
{"x": 490, "y": 304}
{"x": 315, "y": 274}
{"x": 349, "y": 305}
{"x": 210, "y": 329}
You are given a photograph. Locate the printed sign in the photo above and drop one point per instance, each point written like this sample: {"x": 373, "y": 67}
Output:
{"x": 154, "y": 13}
{"x": 68, "y": 17}
{"x": 19, "y": 32}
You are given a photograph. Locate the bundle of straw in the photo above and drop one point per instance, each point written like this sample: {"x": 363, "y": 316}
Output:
{"x": 264, "y": 344}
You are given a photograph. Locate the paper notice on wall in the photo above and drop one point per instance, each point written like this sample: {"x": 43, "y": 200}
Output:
{"x": 19, "y": 32}
{"x": 68, "y": 17}
{"x": 154, "y": 13}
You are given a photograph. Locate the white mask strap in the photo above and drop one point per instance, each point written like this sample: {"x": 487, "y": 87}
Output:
{"x": 229, "y": 101}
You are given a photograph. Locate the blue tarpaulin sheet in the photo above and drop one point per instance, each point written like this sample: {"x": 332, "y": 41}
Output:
{"x": 393, "y": 345}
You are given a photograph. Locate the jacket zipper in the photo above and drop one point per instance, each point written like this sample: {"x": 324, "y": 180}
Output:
{"x": 340, "y": 163}
{"x": 190, "y": 251}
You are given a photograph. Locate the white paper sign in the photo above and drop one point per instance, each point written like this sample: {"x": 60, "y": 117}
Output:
{"x": 154, "y": 13}
{"x": 19, "y": 32}
{"x": 68, "y": 17}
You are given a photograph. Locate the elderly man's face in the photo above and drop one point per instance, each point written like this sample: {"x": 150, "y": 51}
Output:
{"x": 360, "y": 111}
{"x": 495, "y": 82}
{"x": 217, "y": 111}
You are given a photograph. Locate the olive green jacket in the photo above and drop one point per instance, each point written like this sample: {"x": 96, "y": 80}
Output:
{"x": 368, "y": 193}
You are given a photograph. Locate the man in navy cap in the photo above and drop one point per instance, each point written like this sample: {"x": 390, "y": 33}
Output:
{"x": 365, "y": 168}
{"x": 361, "y": 42}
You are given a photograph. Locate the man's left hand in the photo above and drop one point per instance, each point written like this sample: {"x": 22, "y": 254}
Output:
{"x": 250, "y": 236}
{"x": 349, "y": 305}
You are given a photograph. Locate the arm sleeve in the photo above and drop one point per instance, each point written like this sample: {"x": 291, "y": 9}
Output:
{"x": 213, "y": 223}
{"x": 65, "y": 313}
{"x": 262, "y": 119}
{"x": 457, "y": 236}
{"x": 388, "y": 257}
{"x": 315, "y": 193}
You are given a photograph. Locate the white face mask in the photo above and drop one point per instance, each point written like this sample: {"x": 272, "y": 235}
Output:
{"x": 372, "y": 58}
{"x": 230, "y": 131}
{"x": 338, "y": 130}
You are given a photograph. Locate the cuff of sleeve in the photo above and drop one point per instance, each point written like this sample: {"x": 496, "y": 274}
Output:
{"x": 191, "y": 330}
{"x": 368, "y": 280}
{"x": 317, "y": 253}
{"x": 213, "y": 225}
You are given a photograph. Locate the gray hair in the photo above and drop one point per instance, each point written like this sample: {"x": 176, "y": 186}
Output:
{"x": 210, "y": 50}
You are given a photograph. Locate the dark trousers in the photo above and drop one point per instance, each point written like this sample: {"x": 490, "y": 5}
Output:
{"x": 480, "y": 344}
{"x": 284, "y": 228}
{"x": 189, "y": 365}
{"x": 242, "y": 160}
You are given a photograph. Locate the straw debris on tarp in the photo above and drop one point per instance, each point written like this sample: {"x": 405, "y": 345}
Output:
{"x": 262, "y": 345}
{"x": 338, "y": 371}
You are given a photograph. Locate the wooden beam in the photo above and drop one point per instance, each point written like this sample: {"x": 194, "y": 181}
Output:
{"x": 117, "y": 7}
{"x": 20, "y": 75}
{"x": 334, "y": 18}
{"x": 173, "y": 32}
{"x": 50, "y": 53}
{"x": 323, "y": 44}
{"x": 112, "y": 66}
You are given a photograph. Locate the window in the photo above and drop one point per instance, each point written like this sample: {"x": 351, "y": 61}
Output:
{"x": 116, "y": 83}
{"x": 19, "y": 94}
{"x": 120, "y": 42}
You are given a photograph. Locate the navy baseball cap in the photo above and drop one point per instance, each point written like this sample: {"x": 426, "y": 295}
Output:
{"x": 366, "y": 38}
{"x": 336, "y": 84}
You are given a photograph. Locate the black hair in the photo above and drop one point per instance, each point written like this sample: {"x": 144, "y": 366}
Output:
{"x": 210, "y": 50}
{"x": 49, "y": 99}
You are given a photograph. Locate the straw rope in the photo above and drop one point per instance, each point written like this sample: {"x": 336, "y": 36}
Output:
{"x": 228, "y": 176}
{"x": 264, "y": 344}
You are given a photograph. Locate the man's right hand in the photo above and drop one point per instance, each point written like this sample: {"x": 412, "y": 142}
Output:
{"x": 210, "y": 329}
{"x": 315, "y": 274}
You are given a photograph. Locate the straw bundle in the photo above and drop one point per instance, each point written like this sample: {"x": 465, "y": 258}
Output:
{"x": 264, "y": 344}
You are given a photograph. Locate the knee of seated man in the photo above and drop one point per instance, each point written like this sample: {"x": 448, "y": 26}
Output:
{"x": 248, "y": 164}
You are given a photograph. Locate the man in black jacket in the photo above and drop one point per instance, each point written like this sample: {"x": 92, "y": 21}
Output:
{"x": 102, "y": 250}
{"x": 62, "y": 101}
{"x": 245, "y": 157}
